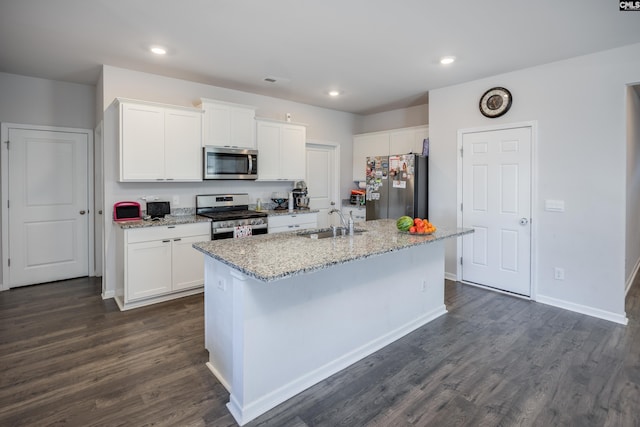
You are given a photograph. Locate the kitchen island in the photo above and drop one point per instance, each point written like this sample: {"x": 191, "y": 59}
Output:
{"x": 285, "y": 311}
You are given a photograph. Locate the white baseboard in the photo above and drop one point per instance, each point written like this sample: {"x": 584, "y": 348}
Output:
{"x": 108, "y": 294}
{"x": 583, "y": 309}
{"x": 450, "y": 276}
{"x": 631, "y": 278}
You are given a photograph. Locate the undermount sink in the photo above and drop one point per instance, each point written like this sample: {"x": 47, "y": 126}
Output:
{"x": 324, "y": 233}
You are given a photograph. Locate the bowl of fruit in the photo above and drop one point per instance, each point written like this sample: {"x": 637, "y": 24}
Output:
{"x": 406, "y": 224}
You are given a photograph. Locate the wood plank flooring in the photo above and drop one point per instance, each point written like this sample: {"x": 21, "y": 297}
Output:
{"x": 68, "y": 358}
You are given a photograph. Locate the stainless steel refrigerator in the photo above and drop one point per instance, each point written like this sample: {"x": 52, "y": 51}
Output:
{"x": 397, "y": 185}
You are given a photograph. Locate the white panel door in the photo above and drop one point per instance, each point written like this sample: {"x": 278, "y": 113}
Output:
{"x": 48, "y": 206}
{"x": 496, "y": 199}
{"x": 321, "y": 181}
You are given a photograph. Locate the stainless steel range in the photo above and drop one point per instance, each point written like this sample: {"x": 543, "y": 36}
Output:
{"x": 230, "y": 215}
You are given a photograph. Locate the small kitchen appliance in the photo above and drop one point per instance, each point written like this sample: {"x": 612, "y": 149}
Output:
{"x": 126, "y": 211}
{"x": 300, "y": 196}
{"x": 230, "y": 215}
{"x": 158, "y": 209}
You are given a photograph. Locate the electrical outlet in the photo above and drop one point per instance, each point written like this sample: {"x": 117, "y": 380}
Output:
{"x": 222, "y": 284}
{"x": 176, "y": 200}
{"x": 558, "y": 273}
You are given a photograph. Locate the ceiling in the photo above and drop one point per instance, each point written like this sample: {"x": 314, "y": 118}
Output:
{"x": 382, "y": 55}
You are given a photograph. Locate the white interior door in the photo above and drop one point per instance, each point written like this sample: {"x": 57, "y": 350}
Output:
{"x": 496, "y": 201}
{"x": 322, "y": 181}
{"x": 48, "y": 206}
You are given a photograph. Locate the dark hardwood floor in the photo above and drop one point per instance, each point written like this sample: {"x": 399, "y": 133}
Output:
{"x": 68, "y": 358}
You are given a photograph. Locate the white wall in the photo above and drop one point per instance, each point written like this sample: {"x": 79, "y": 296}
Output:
{"x": 395, "y": 119}
{"x": 322, "y": 125}
{"x": 579, "y": 105}
{"x": 632, "y": 258}
{"x": 34, "y": 101}
{"x": 29, "y": 100}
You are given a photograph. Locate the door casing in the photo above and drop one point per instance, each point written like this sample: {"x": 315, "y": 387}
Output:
{"x": 534, "y": 197}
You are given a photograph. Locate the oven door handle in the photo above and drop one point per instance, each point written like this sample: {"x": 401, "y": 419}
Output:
{"x": 228, "y": 229}
{"x": 250, "y": 163}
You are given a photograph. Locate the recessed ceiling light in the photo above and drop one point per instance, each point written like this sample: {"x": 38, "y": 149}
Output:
{"x": 447, "y": 60}
{"x": 334, "y": 92}
{"x": 158, "y": 50}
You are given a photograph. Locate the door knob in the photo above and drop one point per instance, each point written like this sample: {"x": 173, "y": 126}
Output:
{"x": 524, "y": 221}
{"x": 100, "y": 212}
{"x": 82, "y": 212}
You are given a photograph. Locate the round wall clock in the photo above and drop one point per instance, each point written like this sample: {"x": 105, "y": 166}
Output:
{"x": 495, "y": 102}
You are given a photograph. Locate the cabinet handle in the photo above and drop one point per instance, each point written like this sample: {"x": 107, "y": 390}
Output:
{"x": 171, "y": 226}
{"x": 176, "y": 240}
{"x": 166, "y": 241}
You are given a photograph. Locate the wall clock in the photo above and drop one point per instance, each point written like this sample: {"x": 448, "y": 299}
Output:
{"x": 495, "y": 102}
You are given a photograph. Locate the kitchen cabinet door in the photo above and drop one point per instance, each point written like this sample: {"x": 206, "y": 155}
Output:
{"x": 293, "y": 153}
{"x": 268, "y": 138}
{"x": 405, "y": 141}
{"x": 292, "y": 222}
{"x": 281, "y": 148}
{"x": 148, "y": 269}
{"x": 188, "y": 263}
{"x": 141, "y": 142}
{"x": 243, "y": 127}
{"x": 183, "y": 145}
{"x": 367, "y": 145}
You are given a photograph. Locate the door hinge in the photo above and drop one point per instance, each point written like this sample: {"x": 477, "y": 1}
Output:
{"x": 460, "y": 260}
{"x": 9, "y": 262}
{"x": 460, "y": 207}
{"x": 7, "y": 142}
{"x": 461, "y": 151}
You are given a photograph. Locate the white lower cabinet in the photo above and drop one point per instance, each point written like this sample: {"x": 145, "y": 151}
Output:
{"x": 158, "y": 263}
{"x": 292, "y": 222}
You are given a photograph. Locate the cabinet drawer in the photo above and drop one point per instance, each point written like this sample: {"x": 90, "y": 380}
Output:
{"x": 135, "y": 235}
{"x": 293, "y": 219}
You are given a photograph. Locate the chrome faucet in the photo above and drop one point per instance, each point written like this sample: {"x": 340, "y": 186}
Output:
{"x": 345, "y": 225}
{"x": 342, "y": 220}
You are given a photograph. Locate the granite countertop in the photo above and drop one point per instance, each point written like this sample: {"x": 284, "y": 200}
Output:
{"x": 167, "y": 220}
{"x": 271, "y": 257}
{"x": 277, "y": 212}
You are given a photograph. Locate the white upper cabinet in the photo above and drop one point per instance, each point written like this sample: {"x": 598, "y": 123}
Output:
{"x": 183, "y": 145}
{"x": 159, "y": 143}
{"x": 397, "y": 141}
{"x": 228, "y": 125}
{"x": 403, "y": 141}
{"x": 281, "y": 150}
{"x": 367, "y": 145}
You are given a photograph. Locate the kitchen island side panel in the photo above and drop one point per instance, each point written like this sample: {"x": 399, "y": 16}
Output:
{"x": 289, "y": 334}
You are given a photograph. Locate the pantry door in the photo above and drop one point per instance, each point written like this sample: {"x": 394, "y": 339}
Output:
{"x": 496, "y": 203}
{"x": 47, "y": 205}
{"x": 322, "y": 180}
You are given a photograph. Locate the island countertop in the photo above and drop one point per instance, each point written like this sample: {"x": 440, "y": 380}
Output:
{"x": 272, "y": 257}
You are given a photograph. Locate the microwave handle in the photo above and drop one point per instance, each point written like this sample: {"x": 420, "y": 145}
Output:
{"x": 250, "y": 163}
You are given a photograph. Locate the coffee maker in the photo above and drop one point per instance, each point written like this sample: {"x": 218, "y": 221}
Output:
{"x": 300, "y": 196}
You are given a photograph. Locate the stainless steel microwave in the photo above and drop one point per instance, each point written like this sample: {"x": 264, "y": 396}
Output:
{"x": 230, "y": 163}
